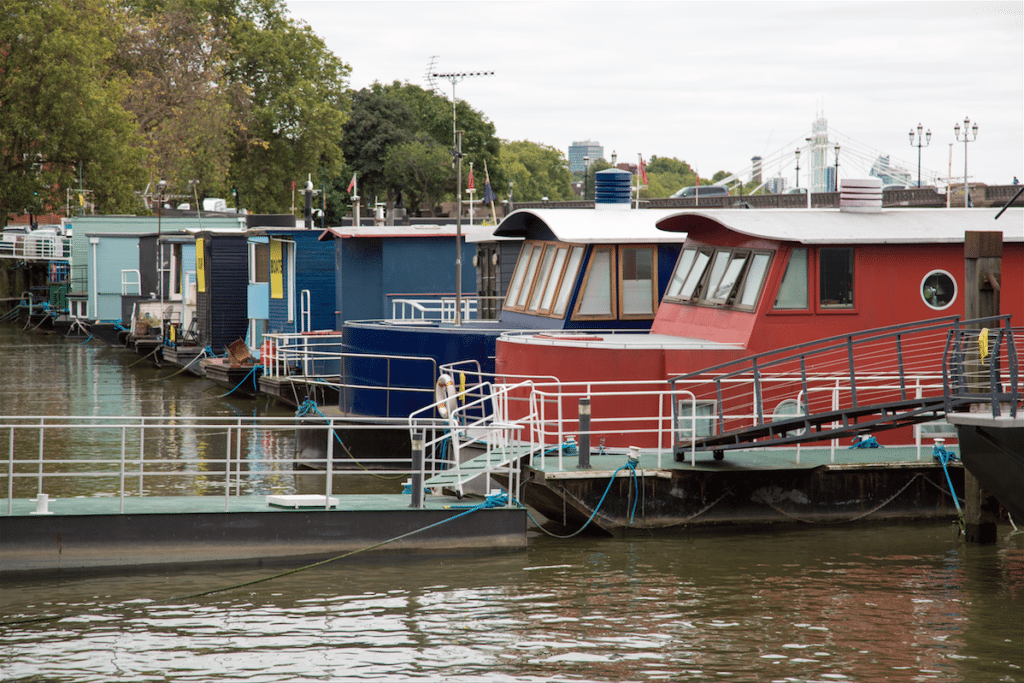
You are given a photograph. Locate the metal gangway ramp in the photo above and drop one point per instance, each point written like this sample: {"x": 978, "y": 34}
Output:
{"x": 845, "y": 386}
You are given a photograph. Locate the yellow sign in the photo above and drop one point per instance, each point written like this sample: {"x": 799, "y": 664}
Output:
{"x": 276, "y": 270}
{"x": 200, "y": 266}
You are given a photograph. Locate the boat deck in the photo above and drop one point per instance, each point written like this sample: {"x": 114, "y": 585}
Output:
{"x": 183, "y": 505}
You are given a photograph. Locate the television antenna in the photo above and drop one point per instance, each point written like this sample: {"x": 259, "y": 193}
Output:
{"x": 455, "y": 78}
{"x": 430, "y": 73}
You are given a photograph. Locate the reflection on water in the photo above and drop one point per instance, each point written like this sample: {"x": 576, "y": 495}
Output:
{"x": 865, "y": 604}
{"x": 825, "y": 603}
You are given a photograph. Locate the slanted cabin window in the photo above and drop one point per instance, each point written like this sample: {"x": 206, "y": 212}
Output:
{"x": 835, "y": 266}
{"x": 793, "y": 291}
{"x": 543, "y": 279}
{"x": 719, "y": 277}
{"x": 639, "y": 292}
{"x": 596, "y": 301}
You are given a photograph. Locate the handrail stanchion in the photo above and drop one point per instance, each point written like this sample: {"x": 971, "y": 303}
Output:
{"x": 42, "y": 431}
{"x": 227, "y": 471}
{"x": 142, "y": 449}
{"x": 238, "y": 459}
{"x": 328, "y": 483}
{"x": 10, "y": 475}
{"x": 124, "y": 439}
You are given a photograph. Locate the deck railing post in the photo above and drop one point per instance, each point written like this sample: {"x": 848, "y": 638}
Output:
{"x": 238, "y": 459}
{"x": 42, "y": 431}
{"x": 583, "y": 462}
{"x": 328, "y": 484}
{"x": 227, "y": 471}
{"x": 142, "y": 451}
{"x": 124, "y": 440}
{"x": 10, "y": 475}
{"x": 418, "y": 460}
{"x": 853, "y": 378}
{"x": 899, "y": 363}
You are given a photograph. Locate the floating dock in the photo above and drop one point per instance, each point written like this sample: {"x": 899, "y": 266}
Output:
{"x": 94, "y": 534}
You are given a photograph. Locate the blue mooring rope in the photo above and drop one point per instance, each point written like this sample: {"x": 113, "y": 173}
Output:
{"x": 940, "y": 453}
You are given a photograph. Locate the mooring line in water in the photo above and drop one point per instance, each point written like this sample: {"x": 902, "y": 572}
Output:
{"x": 493, "y": 501}
{"x": 250, "y": 374}
{"x": 151, "y": 353}
{"x": 851, "y": 519}
{"x": 310, "y": 405}
{"x": 611, "y": 480}
{"x": 198, "y": 357}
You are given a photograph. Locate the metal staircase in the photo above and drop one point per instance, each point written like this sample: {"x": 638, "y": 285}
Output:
{"x": 849, "y": 385}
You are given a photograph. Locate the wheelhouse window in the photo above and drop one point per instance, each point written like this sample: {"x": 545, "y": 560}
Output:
{"x": 543, "y": 279}
{"x": 719, "y": 277}
{"x": 836, "y": 277}
{"x": 259, "y": 262}
{"x": 639, "y": 292}
{"x": 793, "y": 291}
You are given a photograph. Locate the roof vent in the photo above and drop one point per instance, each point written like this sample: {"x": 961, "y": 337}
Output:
{"x": 612, "y": 190}
{"x": 861, "y": 196}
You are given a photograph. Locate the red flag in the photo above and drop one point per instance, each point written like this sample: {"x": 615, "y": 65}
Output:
{"x": 643, "y": 172}
{"x": 471, "y": 186}
{"x": 351, "y": 184}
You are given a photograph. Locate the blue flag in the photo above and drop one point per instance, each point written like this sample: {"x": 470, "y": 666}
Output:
{"x": 488, "y": 193}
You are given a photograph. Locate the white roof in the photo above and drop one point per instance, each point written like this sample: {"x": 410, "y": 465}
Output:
{"x": 592, "y": 226}
{"x": 832, "y": 226}
{"x": 404, "y": 231}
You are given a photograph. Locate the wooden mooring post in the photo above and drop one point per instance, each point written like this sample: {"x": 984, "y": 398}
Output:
{"x": 983, "y": 253}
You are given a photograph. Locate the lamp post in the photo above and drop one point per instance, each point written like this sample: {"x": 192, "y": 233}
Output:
{"x": 919, "y": 145}
{"x": 586, "y": 172}
{"x": 974, "y": 129}
{"x": 837, "y": 168}
{"x": 798, "y": 168}
{"x": 162, "y": 185}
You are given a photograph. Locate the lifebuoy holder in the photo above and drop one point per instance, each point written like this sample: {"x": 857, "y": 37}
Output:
{"x": 444, "y": 396}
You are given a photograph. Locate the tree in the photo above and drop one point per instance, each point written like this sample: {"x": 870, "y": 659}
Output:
{"x": 179, "y": 94}
{"x": 61, "y": 117}
{"x": 290, "y": 124}
{"x": 536, "y": 170}
{"x": 386, "y": 118}
{"x": 422, "y": 168}
{"x": 666, "y": 176}
{"x": 379, "y": 122}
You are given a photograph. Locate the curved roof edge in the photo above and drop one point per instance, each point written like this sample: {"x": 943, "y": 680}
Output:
{"x": 590, "y": 226}
{"x": 832, "y": 226}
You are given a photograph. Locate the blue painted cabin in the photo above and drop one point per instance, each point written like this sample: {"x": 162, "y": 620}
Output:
{"x": 577, "y": 270}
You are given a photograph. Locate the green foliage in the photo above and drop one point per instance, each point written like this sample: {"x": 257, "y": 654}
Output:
{"x": 60, "y": 108}
{"x": 290, "y": 124}
{"x": 537, "y": 171}
{"x": 423, "y": 169}
{"x": 396, "y": 124}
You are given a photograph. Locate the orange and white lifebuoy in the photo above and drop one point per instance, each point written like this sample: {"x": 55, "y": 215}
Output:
{"x": 444, "y": 396}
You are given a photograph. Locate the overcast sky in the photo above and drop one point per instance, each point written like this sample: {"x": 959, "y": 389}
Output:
{"x": 712, "y": 83}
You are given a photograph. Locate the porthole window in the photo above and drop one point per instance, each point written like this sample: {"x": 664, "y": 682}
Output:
{"x": 938, "y": 289}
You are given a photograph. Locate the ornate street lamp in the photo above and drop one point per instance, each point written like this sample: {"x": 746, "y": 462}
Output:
{"x": 974, "y": 129}
{"x": 837, "y": 168}
{"x": 919, "y": 145}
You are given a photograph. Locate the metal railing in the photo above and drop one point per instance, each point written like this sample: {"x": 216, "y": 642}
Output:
{"x": 982, "y": 366}
{"x": 126, "y": 457}
{"x": 40, "y": 245}
{"x": 441, "y": 308}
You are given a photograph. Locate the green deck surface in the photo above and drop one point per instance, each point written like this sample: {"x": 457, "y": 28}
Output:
{"x": 170, "y": 505}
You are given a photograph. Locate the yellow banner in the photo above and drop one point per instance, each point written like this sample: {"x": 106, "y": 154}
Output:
{"x": 200, "y": 266}
{"x": 276, "y": 271}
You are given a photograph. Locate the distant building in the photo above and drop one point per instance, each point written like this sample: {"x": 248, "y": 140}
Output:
{"x": 819, "y": 156}
{"x": 579, "y": 150}
{"x": 890, "y": 175}
{"x": 776, "y": 185}
{"x": 755, "y": 175}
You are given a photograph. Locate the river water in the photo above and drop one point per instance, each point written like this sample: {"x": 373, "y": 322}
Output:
{"x": 815, "y": 603}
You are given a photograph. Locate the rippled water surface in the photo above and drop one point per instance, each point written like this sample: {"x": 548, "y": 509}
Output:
{"x": 824, "y": 603}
